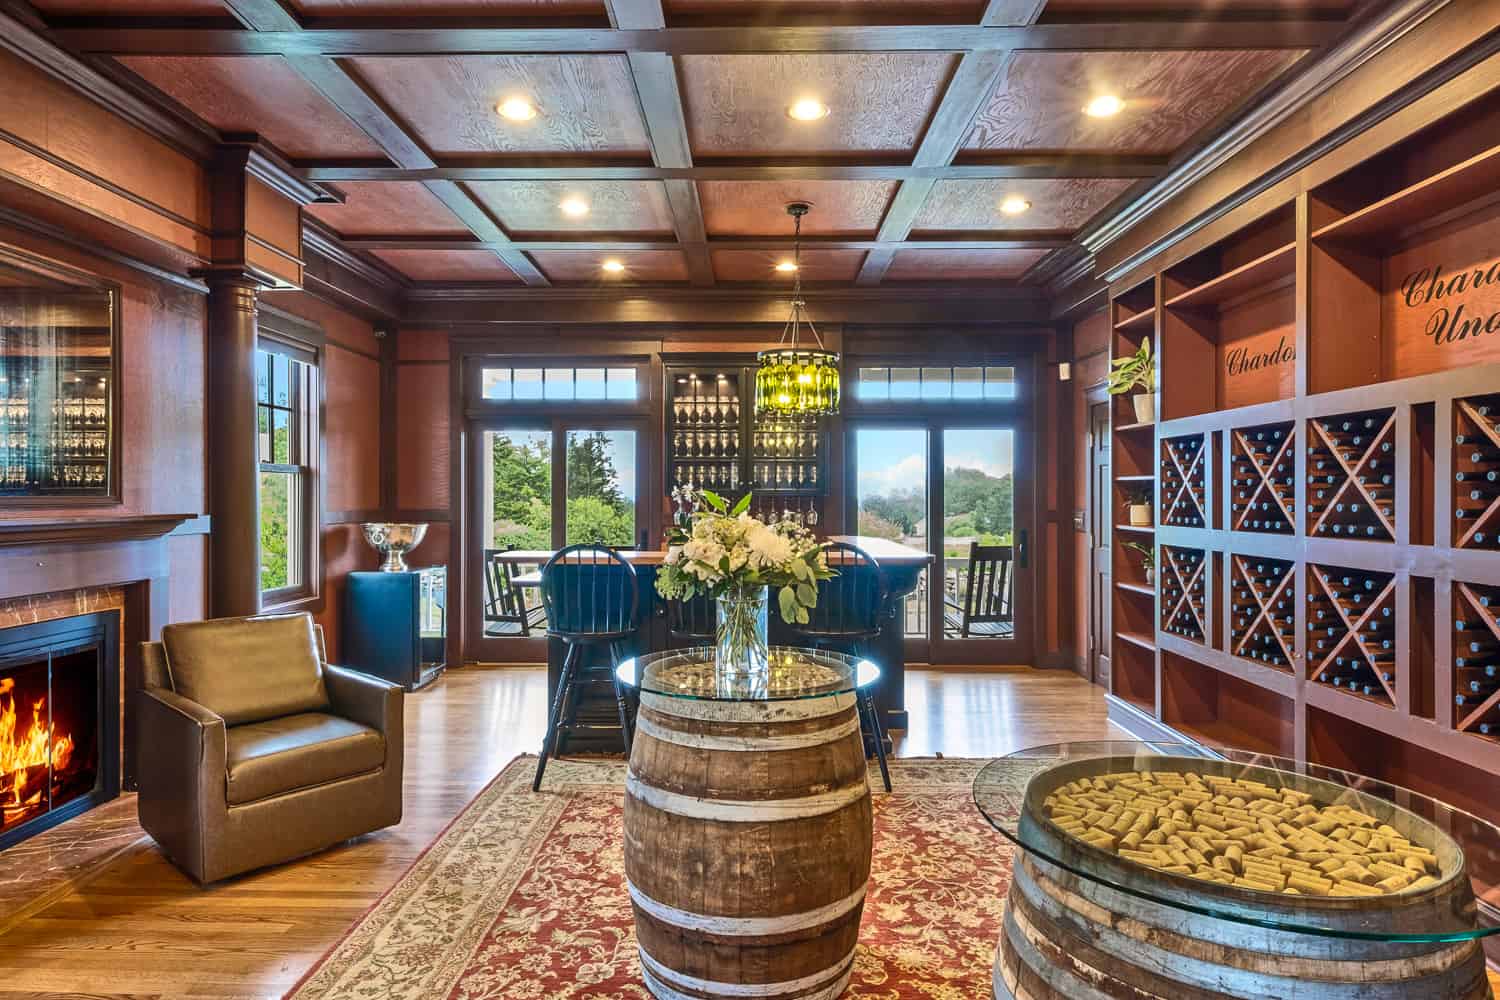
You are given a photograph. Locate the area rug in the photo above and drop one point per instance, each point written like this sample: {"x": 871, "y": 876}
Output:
{"x": 523, "y": 897}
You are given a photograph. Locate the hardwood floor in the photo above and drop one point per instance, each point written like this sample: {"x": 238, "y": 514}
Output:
{"x": 140, "y": 928}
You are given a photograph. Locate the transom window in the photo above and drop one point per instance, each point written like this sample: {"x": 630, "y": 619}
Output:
{"x": 286, "y": 413}
{"x": 549, "y": 384}
{"x": 936, "y": 384}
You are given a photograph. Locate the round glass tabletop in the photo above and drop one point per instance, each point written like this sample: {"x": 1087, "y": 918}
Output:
{"x": 793, "y": 673}
{"x": 1251, "y": 838}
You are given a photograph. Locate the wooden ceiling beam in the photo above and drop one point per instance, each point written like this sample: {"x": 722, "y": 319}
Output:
{"x": 625, "y": 244}
{"x": 420, "y": 38}
{"x": 357, "y": 102}
{"x": 510, "y": 168}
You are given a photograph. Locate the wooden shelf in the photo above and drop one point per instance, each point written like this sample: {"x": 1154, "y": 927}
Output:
{"x": 1140, "y": 321}
{"x": 1140, "y": 529}
{"x": 1124, "y": 428}
{"x": 1279, "y": 263}
{"x": 1137, "y": 639}
{"x": 1472, "y": 179}
{"x": 1137, "y": 588}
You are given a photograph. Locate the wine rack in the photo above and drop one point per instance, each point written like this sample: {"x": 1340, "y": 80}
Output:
{"x": 1476, "y": 659}
{"x": 1183, "y": 496}
{"x": 785, "y": 455}
{"x": 1351, "y": 630}
{"x": 1263, "y": 610}
{"x": 1263, "y": 478}
{"x": 1184, "y": 592}
{"x": 1476, "y": 472}
{"x": 1351, "y": 476}
{"x": 54, "y": 441}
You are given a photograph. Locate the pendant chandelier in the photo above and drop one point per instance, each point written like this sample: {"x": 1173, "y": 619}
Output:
{"x": 796, "y": 380}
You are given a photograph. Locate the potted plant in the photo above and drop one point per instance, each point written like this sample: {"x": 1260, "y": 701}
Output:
{"x": 1138, "y": 370}
{"x": 1138, "y": 508}
{"x": 1148, "y": 560}
{"x": 737, "y": 559}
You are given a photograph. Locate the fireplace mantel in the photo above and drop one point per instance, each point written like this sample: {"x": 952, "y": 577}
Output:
{"x": 92, "y": 530}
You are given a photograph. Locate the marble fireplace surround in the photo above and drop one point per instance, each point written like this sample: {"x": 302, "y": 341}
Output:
{"x": 60, "y": 569}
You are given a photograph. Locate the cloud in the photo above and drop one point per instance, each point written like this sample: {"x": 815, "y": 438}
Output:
{"x": 991, "y": 467}
{"x": 906, "y": 473}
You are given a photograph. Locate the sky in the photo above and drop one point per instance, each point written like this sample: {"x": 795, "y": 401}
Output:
{"x": 891, "y": 458}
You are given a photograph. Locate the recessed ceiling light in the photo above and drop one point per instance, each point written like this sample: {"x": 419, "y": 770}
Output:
{"x": 517, "y": 109}
{"x": 1104, "y": 106}
{"x": 785, "y": 266}
{"x": 575, "y": 207}
{"x": 613, "y": 266}
{"x": 807, "y": 109}
{"x": 1014, "y": 205}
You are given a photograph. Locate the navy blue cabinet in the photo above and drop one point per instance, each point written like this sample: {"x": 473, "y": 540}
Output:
{"x": 396, "y": 625}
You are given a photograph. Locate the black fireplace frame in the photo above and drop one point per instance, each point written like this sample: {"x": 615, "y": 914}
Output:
{"x": 60, "y": 636}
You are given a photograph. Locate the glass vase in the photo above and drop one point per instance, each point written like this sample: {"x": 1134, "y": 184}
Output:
{"x": 740, "y": 645}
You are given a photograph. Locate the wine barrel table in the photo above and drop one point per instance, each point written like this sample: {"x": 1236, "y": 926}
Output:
{"x": 747, "y": 825}
{"x": 1082, "y": 923}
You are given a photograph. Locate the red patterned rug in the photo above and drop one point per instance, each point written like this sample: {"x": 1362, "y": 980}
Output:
{"x": 523, "y": 897}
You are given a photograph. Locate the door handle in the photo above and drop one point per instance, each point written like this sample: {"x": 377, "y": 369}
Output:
{"x": 1023, "y": 548}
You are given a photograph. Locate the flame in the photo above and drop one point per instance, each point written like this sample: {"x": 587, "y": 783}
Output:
{"x": 19, "y": 752}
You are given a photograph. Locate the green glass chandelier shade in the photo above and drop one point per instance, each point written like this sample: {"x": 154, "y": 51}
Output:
{"x": 793, "y": 380}
{"x": 797, "y": 381}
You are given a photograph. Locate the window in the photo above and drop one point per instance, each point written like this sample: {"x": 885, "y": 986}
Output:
{"x": 558, "y": 385}
{"x": 940, "y": 384}
{"x": 286, "y": 417}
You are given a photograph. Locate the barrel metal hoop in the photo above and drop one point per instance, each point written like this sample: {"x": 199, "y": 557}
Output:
{"x": 645, "y": 725}
{"x": 1114, "y": 931}
{"x": 740, "y": 811}
{"x": 654, "y": 973}
{"x": 745, "y": 926}
{"x": 750, "y": 712}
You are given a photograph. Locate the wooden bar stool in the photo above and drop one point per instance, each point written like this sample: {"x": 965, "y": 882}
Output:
{"x": 593, "y": 598}
{"x": 851, "y": 607}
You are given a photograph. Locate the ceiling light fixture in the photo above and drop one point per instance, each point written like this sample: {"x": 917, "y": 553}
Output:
{"x": 613, "y": 266}
{"x": 807, "y": 109}
{"x": 575, "y": 207}
{"x": 1014, "y": 205}
{"x": 795, "y": 381}
{"x": 516, "y": 109}
{"x": 1104, "y": 106}
{"x": 786, "y": 266}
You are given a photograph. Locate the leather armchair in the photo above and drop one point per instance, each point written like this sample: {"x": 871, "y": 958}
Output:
{"x": 253, "y": 750}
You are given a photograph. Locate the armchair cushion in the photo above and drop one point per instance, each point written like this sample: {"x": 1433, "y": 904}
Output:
{"x": 297, "y": 751}
{"x": 247, "y": 669}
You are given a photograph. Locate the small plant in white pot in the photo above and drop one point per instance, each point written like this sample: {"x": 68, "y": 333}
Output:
{"x": 1138, "y": 508}
{"x": 1148, "y": 560}
{"x": 1136, "y": 371}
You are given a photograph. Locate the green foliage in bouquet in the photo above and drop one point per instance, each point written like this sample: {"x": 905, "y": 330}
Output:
{"x": 727, "y": 553}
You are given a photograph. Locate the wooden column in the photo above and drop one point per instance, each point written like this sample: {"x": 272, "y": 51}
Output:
{"x": 233, "y": 461}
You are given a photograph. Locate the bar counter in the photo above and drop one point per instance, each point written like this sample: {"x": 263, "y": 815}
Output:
{"x": 903, "y": 566}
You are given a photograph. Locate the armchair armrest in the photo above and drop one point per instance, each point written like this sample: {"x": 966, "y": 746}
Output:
{"x": 367, "y": 700}
{"x": 182, "y": 774}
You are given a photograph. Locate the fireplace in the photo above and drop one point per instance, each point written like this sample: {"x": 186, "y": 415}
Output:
{"x": 59, "y": 721}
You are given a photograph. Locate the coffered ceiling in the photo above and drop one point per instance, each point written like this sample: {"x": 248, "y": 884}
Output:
{"x": 940, "y": 142}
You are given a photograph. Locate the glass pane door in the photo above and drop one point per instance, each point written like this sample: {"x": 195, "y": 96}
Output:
{"x": 516, "y": 484}
{"x": 891, "y": 501}
{"x": 983, "y": 550}
{"x": 600, "y": 497}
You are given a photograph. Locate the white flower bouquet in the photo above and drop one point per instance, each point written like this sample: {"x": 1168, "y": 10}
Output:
{"x": 733, "y": 557}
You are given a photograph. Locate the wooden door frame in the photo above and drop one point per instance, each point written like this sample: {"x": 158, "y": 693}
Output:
{"x": 1099, "y": 605}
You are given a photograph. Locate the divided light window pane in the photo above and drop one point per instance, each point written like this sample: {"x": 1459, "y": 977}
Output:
{"x": 874, "y": 383}
{"x": 937, "y": 383}
{"x": 906, "y": 383}
{"x": 555, "y": 385}
{"x": 1000, "y": 383}
{"x": 968, "y": 383}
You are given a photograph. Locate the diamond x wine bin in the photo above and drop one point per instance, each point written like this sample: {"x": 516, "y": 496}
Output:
{"x": 59, "y": 721}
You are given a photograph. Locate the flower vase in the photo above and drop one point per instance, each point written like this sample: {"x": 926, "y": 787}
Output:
{"x": 740, "y": 641}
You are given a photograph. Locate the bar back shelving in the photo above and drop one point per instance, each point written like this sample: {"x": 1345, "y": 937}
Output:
{"x": 1338, "y": 358}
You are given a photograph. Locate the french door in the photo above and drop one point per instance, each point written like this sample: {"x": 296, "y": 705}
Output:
{"x": 538, "y": 485}
{"x": 962, "y": 491}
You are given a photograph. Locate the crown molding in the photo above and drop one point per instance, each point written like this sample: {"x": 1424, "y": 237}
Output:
{"x": 1362, "y": 43}
{"x": 21, "y": 36}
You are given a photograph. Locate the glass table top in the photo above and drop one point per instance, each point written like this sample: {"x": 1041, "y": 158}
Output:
{"x": 794, "y": 673}
{"x": 1339, "y": 839}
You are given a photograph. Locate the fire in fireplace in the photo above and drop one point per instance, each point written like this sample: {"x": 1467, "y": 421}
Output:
{"x": 59, "y": 747}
